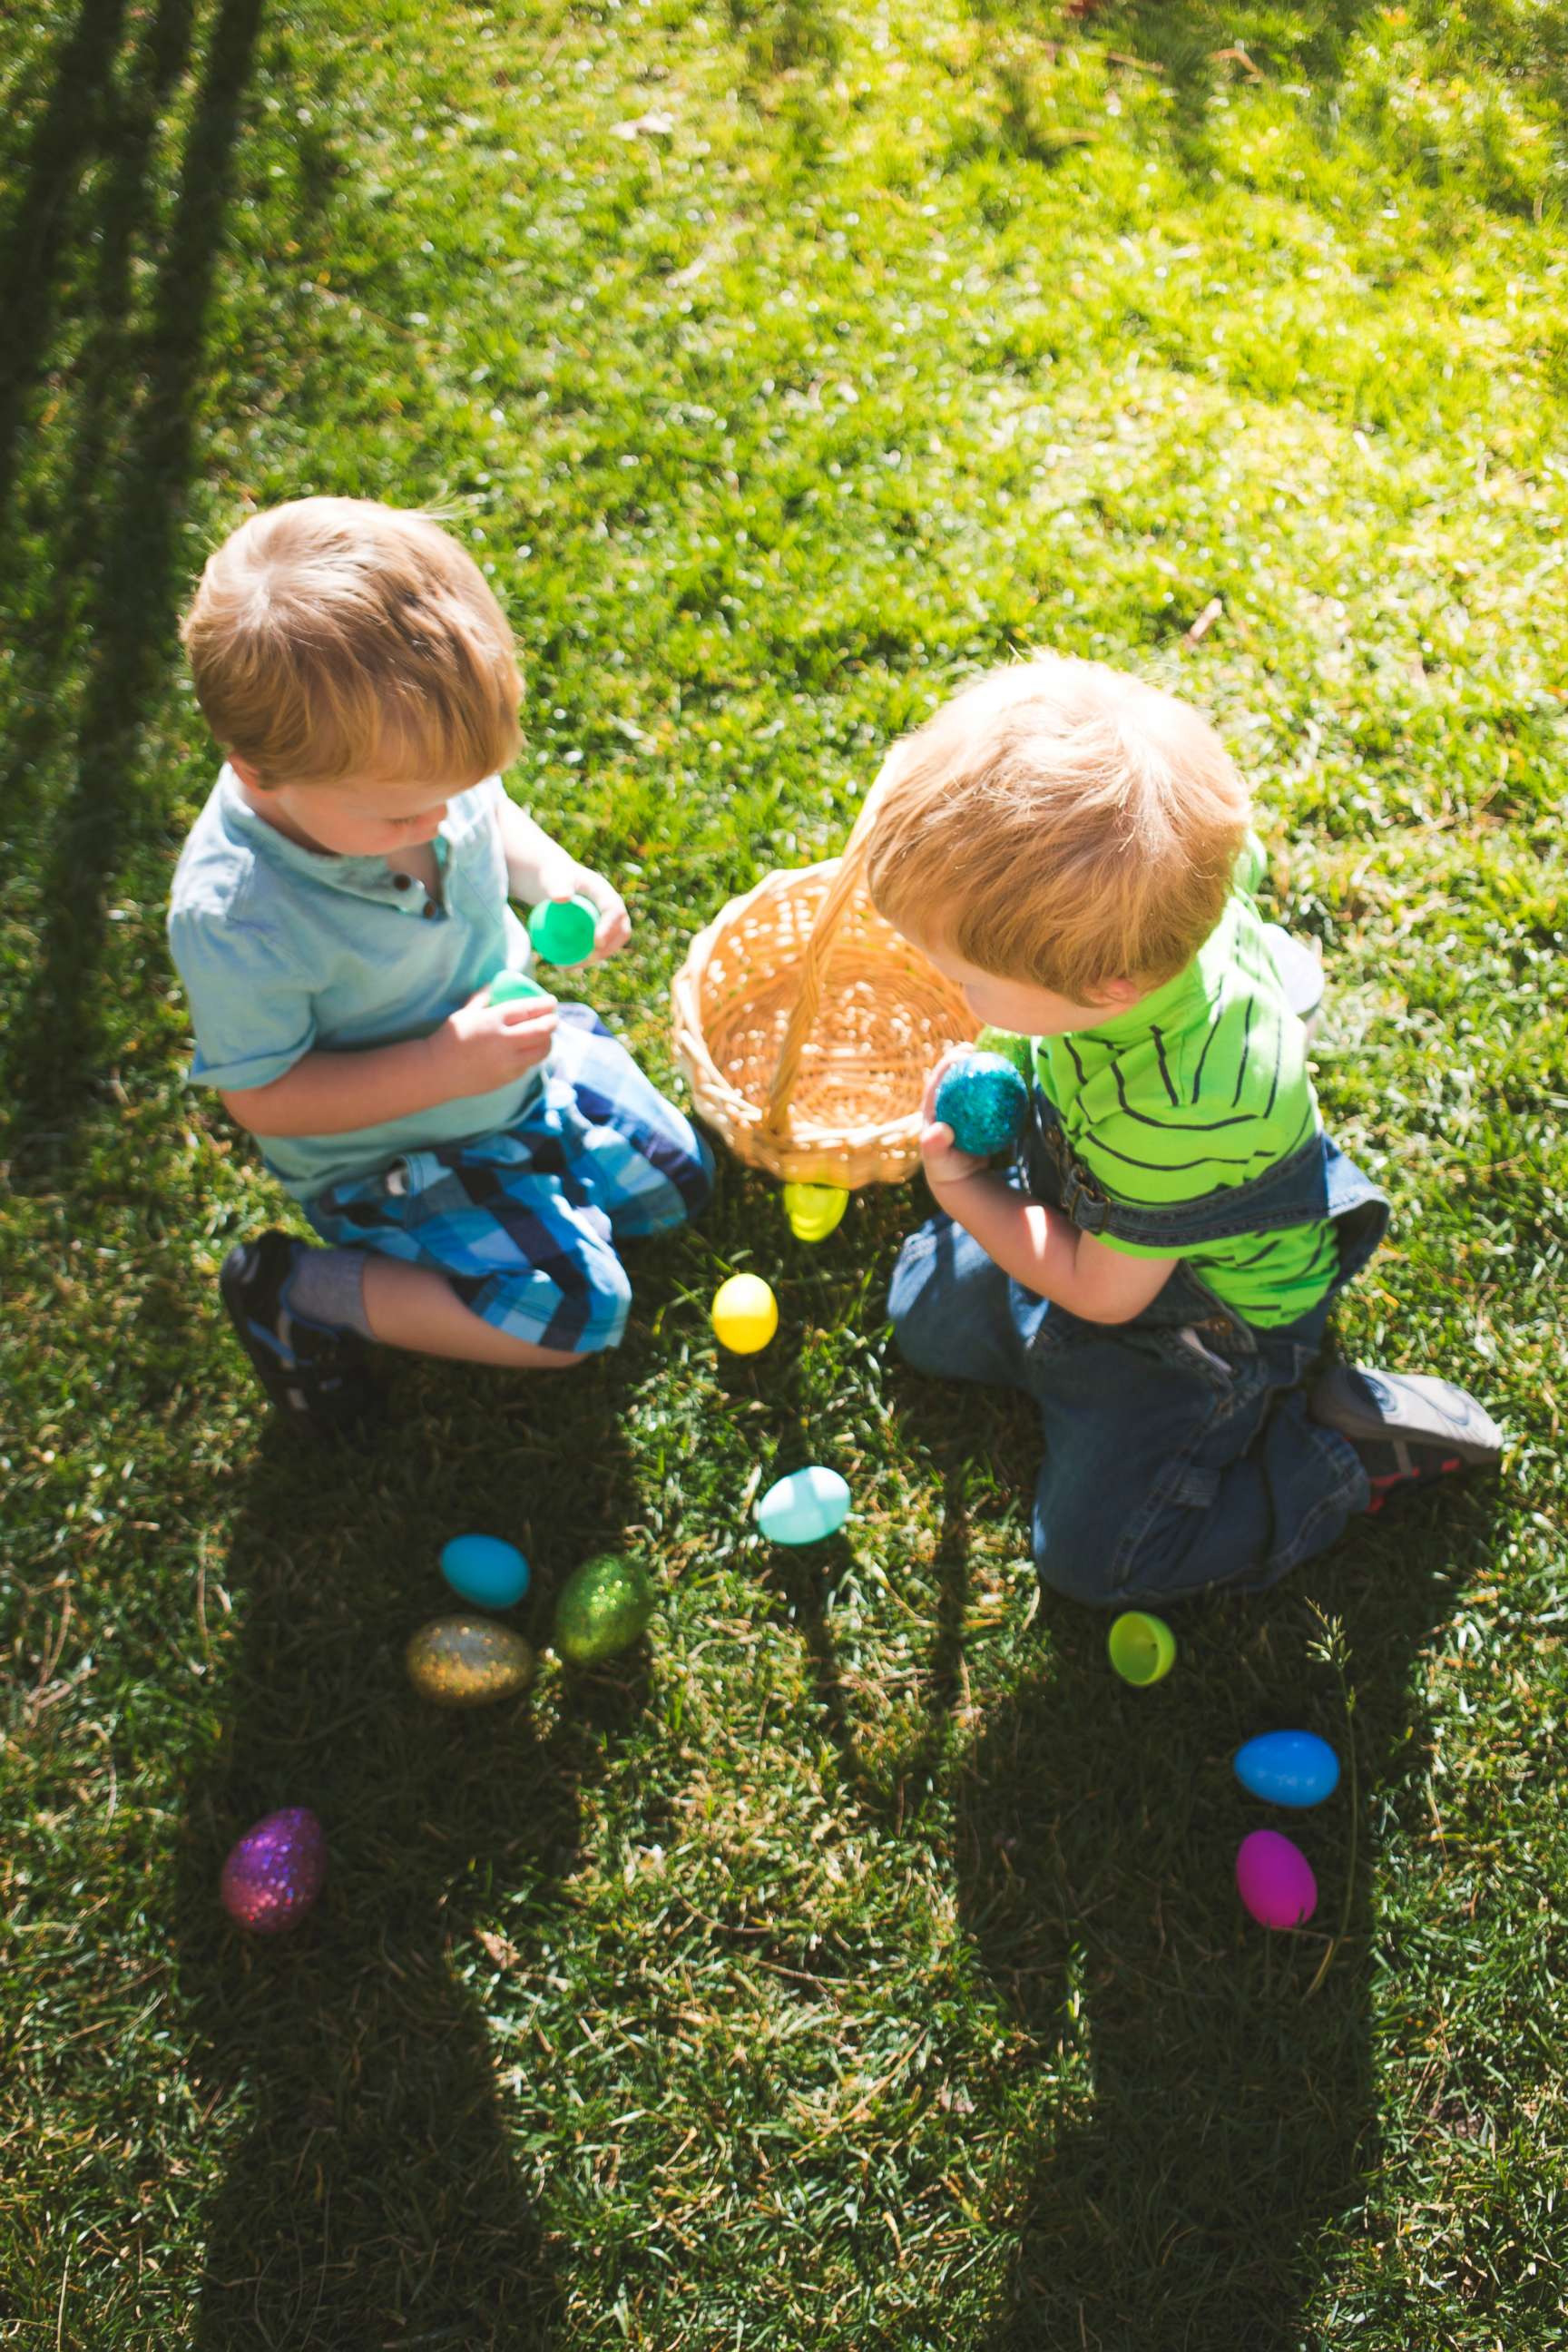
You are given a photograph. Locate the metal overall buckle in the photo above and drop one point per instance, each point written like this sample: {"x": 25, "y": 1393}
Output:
{"x": 1082, "y": 1199}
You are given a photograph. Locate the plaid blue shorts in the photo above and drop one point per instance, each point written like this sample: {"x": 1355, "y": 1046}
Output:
{"x": 524, "y": 1223}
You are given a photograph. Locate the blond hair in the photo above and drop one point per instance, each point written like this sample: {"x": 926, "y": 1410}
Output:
{"x": 1061, "y": 824}
{"x": 334, "y": 637}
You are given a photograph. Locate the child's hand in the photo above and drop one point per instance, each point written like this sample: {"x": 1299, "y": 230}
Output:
{"x": 484, "y": 1046}
{"x": 944, "y": 1164}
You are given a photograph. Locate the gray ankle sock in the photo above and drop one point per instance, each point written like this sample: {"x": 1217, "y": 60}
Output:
{"x": 327, "y": 1286}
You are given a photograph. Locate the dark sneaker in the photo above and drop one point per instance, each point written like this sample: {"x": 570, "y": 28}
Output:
{"x": 316, "y": 1375}
{"x": 1408, "y": 1427}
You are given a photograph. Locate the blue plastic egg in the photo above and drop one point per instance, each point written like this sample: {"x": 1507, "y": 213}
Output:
{"x": 984, "y": 1101}
{"x": 804, "y": 1508}
{"x": 1287, "y": 1767}
{"x": 485, "y": 1570}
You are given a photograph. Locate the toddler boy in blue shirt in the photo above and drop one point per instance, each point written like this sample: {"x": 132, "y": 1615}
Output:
{"x": 338, "y": 914}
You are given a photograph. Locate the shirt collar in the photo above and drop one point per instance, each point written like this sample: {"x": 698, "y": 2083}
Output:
{"x": 1174, "y": 1004}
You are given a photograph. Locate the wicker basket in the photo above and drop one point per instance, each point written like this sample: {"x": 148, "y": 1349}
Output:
{"x": 805, "y": 1026}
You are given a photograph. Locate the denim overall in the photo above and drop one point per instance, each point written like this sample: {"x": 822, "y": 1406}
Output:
{"x": 1179, "y": 1453}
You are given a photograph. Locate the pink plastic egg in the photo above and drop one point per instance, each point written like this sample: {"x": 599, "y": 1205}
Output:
{"x": 276, "y": 1872}
{"x": 1275, "y": 1880}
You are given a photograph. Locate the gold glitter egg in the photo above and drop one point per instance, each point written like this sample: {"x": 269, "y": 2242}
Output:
{"x": 468, "y": 1662}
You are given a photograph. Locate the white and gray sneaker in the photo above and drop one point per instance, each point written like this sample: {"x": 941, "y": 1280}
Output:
{"x": 1408, "y": 1427}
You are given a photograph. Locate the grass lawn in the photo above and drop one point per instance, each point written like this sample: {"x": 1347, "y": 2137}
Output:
{"x": 860, "y": 1965}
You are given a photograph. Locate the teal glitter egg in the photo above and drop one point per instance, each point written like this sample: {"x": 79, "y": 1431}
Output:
{"x": 986, "y": 1103}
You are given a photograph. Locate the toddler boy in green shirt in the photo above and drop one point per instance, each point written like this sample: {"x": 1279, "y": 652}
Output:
{"x": 1065, "y": 843}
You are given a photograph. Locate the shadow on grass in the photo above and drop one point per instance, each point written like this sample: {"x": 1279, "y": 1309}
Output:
{"x": 1195, "y": 48}
{"x": 1214, "y": 2112}
{"x": 118, "y": 574}
{"x": 370, "y": 2186}
{"x": 73, "y": 127}
{"x": 805, "y": 1578}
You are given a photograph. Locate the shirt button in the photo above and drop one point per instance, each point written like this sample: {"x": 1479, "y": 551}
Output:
{"x": 429, "y": 909}
{"x": 401, "y": 881}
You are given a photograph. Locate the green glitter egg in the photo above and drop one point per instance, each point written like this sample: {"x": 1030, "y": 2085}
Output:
{"x": 467, "y": 1662}
{"x": 603, "y": 1606}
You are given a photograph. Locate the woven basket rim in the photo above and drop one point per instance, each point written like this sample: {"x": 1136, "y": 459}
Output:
{"x": 890, "y": 1146}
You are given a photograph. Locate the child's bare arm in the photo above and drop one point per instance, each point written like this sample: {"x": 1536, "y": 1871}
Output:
{"x": 538, "y": 867}
{"x": 1038, "y": 1246}
{"x": 1044, "y": 1250}
{"x": 481, "y": 1047}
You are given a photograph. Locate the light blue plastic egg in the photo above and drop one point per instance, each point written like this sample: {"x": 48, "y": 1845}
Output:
{"x": 1287, "y": 1767}
{"x": 485, "y": 1570}
{"x": 804, "y": 1508}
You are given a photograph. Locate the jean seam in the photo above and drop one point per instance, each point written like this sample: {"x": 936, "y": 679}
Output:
{"x": 1349, "y": 1497}
{"x": 1162, "y": 1494}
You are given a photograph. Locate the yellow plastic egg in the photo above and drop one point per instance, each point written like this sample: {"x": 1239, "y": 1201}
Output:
{"x": 745, "y": 1314}
{"x": 468, "y": 1662}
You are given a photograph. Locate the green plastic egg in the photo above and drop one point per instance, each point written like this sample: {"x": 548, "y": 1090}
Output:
{"x": 563, "y": 929}
{"x": 508, "y": 985}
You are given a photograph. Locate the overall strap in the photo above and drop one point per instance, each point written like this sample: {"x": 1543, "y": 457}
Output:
{"x": 1294, "y": 1192}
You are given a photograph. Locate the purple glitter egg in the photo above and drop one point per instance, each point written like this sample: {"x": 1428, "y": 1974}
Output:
{"x": 275, "y": 1872}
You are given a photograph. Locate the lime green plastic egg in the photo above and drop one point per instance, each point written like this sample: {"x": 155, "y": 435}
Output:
{"x": 813, "y": 1209}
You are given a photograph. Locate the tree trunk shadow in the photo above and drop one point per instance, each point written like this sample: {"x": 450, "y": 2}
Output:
{"x": 128, "y": 482}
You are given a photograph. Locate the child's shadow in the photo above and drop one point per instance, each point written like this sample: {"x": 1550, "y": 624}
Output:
{"x": 360, "y": 2066}
{"x": 1209, "y": 2085}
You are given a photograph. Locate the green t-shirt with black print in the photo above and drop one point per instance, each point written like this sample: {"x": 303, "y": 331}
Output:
{"x": 1200, "y": 1086}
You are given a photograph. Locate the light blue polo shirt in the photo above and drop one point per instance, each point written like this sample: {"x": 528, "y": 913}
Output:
{"x": 286, "y": 951}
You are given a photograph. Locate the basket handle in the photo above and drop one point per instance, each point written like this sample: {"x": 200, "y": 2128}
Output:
{"x": 813, "y": 963}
